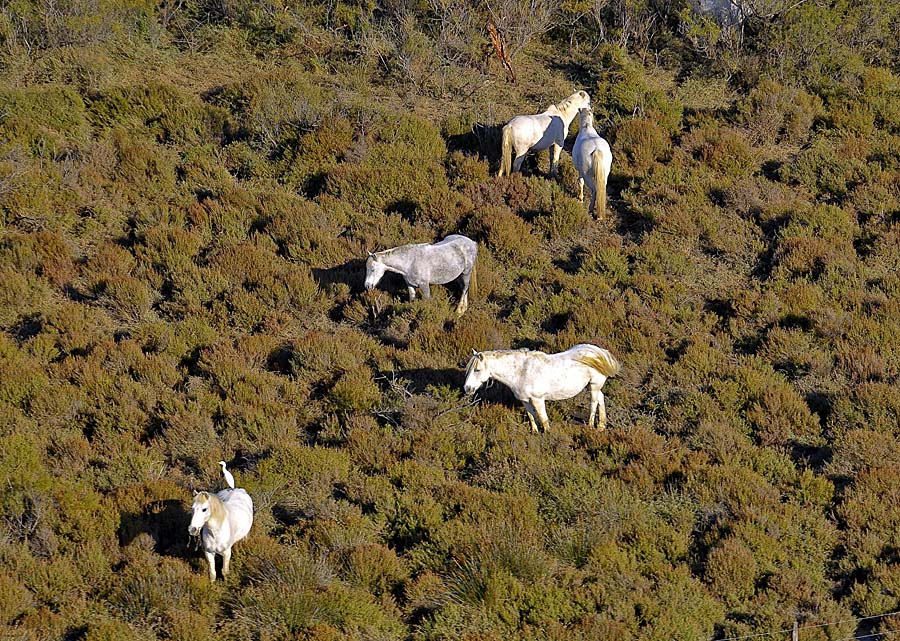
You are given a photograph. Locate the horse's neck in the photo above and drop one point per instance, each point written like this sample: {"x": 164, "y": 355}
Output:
{"x": 568, "y": 115}
{"x": 396, "y": 260}
{"x": 506, "y": 367}
{"x": 217, "y": 513}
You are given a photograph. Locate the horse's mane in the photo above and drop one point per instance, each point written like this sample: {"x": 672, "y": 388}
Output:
{"x": 471, "y": 363}
{"x": 563, "y": 105}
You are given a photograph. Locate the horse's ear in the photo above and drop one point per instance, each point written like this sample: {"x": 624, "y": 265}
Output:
{"x": 474, "y": 353}
{"x": 371, "y": 254}
{"x": 195, "y": 492}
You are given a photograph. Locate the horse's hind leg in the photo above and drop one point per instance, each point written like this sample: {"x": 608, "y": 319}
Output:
{"x": 581, "y": 189}
{"x": 412, "y": 292}
{"x": 517, "y": 163}
{"x": 598, "y": 408}
{"x": 464, "y": 297}
{"x": 211, "y": 559}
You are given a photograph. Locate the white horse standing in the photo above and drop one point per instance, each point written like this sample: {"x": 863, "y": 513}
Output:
{"x": 534, "y": 377}
{"x": 421, "y": 264}
{"x": 593, "y": 160}
{"x": 538, "y": 132}
{"x": 222, "y": 520}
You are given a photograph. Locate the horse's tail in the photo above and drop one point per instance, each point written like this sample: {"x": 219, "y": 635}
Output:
{"x": 599, "y": 182}
{"x": 473, "y": 277}
{"x": 602, "y": 361}
{"x": 506, "y": 152}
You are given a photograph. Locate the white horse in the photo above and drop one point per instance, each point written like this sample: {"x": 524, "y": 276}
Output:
{"x": 222, "y": 520}
{"x": 535, "y": 377}
{"x": 422, "y": 264}
{"x": 539, "y": 132}
{"x": 593, "y": 160}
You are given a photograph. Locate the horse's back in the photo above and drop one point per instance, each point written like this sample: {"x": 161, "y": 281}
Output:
{"x": 239, "y": 507}
{"x": 537, "y": 131}
{"x": 586, "y": 143}
{"x": 455, "y": 253}
{"x": 458, "y": 240}
{"x": 237, "y": 501}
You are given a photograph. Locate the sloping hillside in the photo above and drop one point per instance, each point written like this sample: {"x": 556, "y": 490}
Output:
{"x": 188, "y": 190}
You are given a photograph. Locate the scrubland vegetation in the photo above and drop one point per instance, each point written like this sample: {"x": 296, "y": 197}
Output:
{"x": 187, "y": 192}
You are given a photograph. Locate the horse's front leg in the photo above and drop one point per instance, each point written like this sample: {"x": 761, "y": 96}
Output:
{"x": 226, "y": 562}
{"x": 211, "y": 559}
{"x": 581, "y": 189}
{"x": 426, "y": 290}
{"x": 529, "y": 409}
{"x": 412, "y": 292}
{"x": 541, "y": 410}
{"x": 555, "y": 152}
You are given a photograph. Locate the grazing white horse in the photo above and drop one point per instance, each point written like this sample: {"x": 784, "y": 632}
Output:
{"x": 534, "y": 377}
{"x": 222, "y": 520}
{"x": 538, "y": 132}
{"x": 422, "y": 264}
{"x": 593, "y": 160}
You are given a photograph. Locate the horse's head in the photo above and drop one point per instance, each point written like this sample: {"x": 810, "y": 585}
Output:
{"x": 374, "y": 271}
{"x": 477, "y": 372}
{"x": 583, "y": 99}
{"x": 585, "y": 117}
{"x": 201, "y": 510}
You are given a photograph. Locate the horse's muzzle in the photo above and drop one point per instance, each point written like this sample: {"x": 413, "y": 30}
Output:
{"x": 193, "y": 531}
{"x": 469, "y": 390}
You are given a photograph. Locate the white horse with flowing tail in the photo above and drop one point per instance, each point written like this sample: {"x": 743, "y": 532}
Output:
{"x": 593, "y": 160}
{"x": 534, "y": 377}
{"x": 422, "y": 264}
{"x": 538, "y": 132}
{"x": 221, "y": 520}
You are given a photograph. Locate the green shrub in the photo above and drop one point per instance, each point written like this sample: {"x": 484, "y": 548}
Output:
{"x": 274, "y": 108}
{"x": 626, "y": 89}
{"x": 317, "y": 153}
{"x": 775, "y": 114}
{"x": 161, "y": 109}
{"x": 50, "y": 121}
{"x": 830, "y": 167}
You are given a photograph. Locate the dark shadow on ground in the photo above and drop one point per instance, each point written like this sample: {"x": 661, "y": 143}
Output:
{"x": 165, "y": 522}
{"x": 352, "y": 273}
{"x": 418, "y": 379}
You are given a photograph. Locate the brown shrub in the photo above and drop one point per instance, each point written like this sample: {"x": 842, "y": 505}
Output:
{"x": 639, "y": 144}
{"x": 780, "y": 417}
{"x": 725, "y": 151}
{"x": 509, "y": 237}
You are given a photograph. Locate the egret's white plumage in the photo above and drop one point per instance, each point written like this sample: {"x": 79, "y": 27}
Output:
{"x": 229, "y": 478}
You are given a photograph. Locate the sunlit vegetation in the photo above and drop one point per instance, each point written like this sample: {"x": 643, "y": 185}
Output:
{"x": 187, "y": 194}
